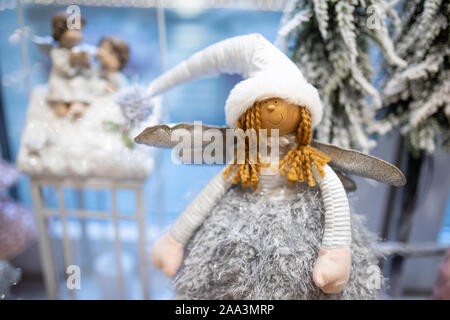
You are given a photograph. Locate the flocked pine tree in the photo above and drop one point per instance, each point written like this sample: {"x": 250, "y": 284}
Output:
{"x": 328, "y": 40}
{"x": 417, "y": 99}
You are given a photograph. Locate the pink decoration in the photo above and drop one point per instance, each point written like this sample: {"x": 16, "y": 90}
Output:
{"x": 8, "y": 175}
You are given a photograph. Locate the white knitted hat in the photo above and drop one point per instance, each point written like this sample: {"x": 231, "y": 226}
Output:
{"x": 267, "y": 71}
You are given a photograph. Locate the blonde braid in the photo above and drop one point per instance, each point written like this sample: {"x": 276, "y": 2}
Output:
{"x": 254, "y": 165}
{"x": 247, "y": 120}
{"x": 258, "y": 116}
{"x": 227, "y": 171}
{"x": 247, "y": 173}
{"x": 297, "y": 163}
{"x": 237, "y": 175}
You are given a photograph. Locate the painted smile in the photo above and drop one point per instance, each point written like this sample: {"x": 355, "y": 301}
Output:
{"x": 275, "y": 120}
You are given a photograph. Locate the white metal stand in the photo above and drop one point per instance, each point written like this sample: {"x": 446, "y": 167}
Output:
{"x": 111, "y": 184}
{"x": 43, "y": 213}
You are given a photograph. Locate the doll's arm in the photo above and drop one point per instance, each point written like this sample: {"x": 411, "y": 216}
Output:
{"x": 337, "y": 231}
{"x": 197, "y": 211}
{"x": 167, "y": 253}
{"x": 332, "y": 269}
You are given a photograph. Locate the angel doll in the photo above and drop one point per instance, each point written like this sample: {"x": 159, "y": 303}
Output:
{"x": 113, "y": 54}
{"x": 269, "y": 228}
{"x": 69, "y": 77}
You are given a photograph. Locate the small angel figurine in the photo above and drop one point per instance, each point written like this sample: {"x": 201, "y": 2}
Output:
{"x": 68, "y": 83}
{"x": 269, "y": 229}
{"x": 113, "y": 54}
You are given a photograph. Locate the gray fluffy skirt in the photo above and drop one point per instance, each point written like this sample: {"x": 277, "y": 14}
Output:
{"x": 253, "y": 248}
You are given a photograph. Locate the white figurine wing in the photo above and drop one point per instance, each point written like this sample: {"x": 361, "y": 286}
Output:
{"x": 45, "y": 44}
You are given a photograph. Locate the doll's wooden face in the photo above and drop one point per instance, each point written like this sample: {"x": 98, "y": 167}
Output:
{"x": 108, "y": 58}
{"x": 71, "y": 38}
{"x": 279, "y": 114}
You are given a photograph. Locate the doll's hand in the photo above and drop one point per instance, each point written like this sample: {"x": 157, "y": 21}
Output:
{"x": 84, "y": 60}
{"x": 111, "y": 88}
{"x": 79, "y": 59}
{"x": 332, "y": 270}
{"x": 167, "y": 255}
{"x": 75, "y": 59}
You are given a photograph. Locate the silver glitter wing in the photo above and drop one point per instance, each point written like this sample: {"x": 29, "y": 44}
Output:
{"x": 161, "y": 135}
{"x": 361, "y": 164}
{"x": 343, "y": 160}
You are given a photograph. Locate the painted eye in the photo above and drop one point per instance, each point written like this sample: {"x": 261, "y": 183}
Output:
{"x": 276, "y": 101}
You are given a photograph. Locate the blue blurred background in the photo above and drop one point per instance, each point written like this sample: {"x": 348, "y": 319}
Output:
{"x": 187, "y": 32}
